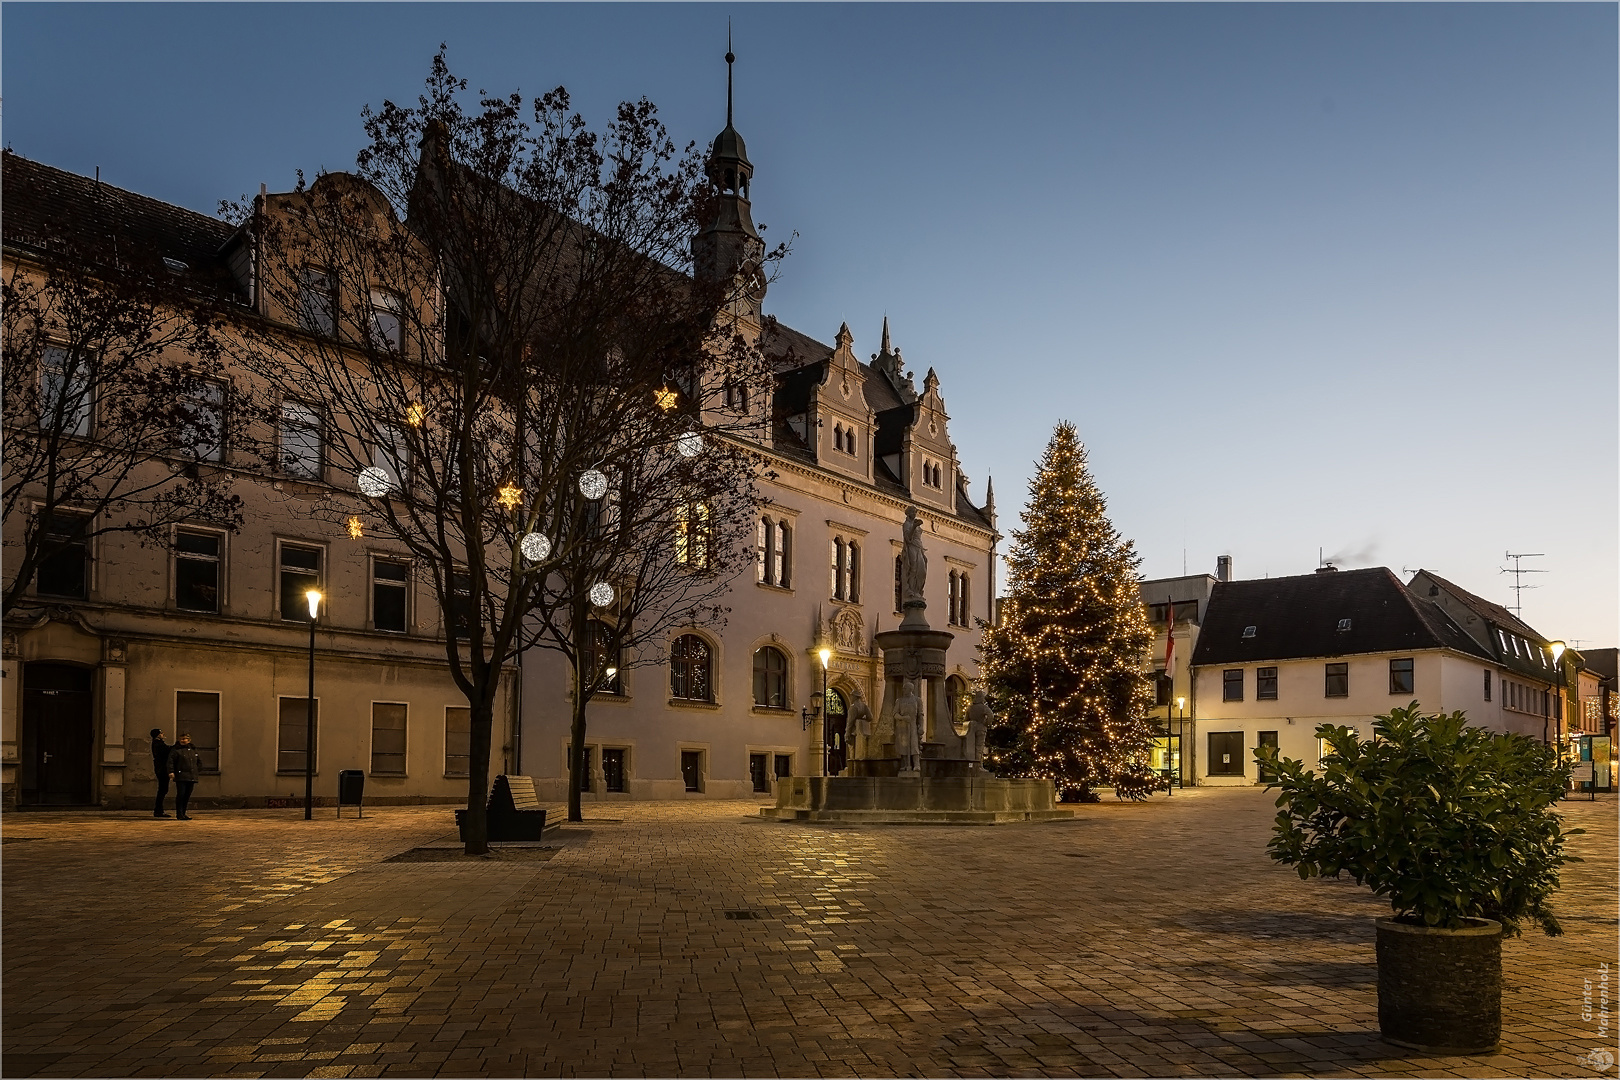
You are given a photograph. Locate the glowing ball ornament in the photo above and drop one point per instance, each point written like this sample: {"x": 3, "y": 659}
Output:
{"x": 374, "y": 482}
{"x": 689, "y": 445}
{"x": 535, "y": 546}
{"x": 601, "y": 594}
{"x": 593, "y": 484}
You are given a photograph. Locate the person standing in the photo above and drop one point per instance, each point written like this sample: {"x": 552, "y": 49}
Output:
{"x": 160, "y": 768}
{"x": 185, "y": 763}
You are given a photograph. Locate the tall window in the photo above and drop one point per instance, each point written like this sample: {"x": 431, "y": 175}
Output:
{"x": 603, "y": 661}
{"x": 958, "y": 598}
{"x": 770, "y": 678}
{"x": 203, "y": 436}
{"x": 66, "y": 393}
{"x": 1265, "y": 684}
{"x": 291, "y": 734}
{"x": 773, "y": 547}
{"x": 1487, "y": 685}
{"x": 846, "y": 570}
{"x": 1164, "y": 687}
{"x": 692, "y": 535}
{"x": 457, "y": 740}
{"x": 736, "y": 395}
{"x": 392, "y": 455}
{"x": 197, "y": 714}
{"x": 196, "y": 570}
{"x": 690, "y": 668}
{"x": 1338, "y": 680}
{"x": 300, "y": 440}
{"x": 1400, "y": 675}
{"x": 65, "y": 571}
{"x": 390, "y": 593}
{"x": 1232, "y": 684}
{"x": 388, "y": 738}
{"x": 613, "y": 767}
{"x": 315, "y": 306}
{"x": 386, "y": 319}
{"x": 300, "y": 572}
{"x": 462, "y": 612}
{"x": 956, "y": 698}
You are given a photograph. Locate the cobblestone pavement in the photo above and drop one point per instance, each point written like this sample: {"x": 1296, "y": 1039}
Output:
{"x": 676, "y": 939}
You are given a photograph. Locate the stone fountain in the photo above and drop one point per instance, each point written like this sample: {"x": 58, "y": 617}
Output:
{"x": 912, "y": 765}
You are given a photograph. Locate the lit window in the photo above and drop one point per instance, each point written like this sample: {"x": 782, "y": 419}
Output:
{"x": 689, "y": 669}
{"x": 692, "y": 535}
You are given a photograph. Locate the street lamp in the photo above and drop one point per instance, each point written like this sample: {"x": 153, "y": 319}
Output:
{"x": 1556, "y": 648}
{"x": 314, "y": 598}
{"x": 826, "y": 715}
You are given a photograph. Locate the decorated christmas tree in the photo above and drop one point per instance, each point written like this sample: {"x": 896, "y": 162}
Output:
{"x": 1065, "y": 666}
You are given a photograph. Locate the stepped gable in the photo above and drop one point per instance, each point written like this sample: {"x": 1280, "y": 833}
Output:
{"x": 1297, "y": 618}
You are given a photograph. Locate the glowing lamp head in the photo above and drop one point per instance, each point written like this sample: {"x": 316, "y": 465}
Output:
{"x": 314, "y": 598}
{"x": 610, "y": 673}
{"x": 1557, "y": 649}
{"x": 826, "y": 656}
{"x": 1181, "y": 703}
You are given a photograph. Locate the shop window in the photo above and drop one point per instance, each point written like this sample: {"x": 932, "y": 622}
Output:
{"x": 1226, "y": 753}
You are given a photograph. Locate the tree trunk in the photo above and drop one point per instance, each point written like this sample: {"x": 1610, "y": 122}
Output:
{"x": 576, "y": 770}
{"x": 477, "y": 817}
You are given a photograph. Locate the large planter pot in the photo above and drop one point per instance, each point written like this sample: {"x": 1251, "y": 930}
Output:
{"x": 1440, "y": 991}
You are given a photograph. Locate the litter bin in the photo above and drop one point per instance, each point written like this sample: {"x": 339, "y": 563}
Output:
{"x": 351, "y": 789}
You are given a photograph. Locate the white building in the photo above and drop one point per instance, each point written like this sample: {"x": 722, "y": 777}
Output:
{"x": 1280, "y": 656}
{"x": 848, "y": 447}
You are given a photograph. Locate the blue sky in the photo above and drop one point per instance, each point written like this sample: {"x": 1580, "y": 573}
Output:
{"x": 1305, "y": 276}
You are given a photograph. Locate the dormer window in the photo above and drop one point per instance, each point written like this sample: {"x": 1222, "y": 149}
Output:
{"x": 736, "y": 396}
{"x": 844, "y": 439}
{"x": 1248, "y": 632}
{"x": 1344, "y": 624}
{"x": 932, "y": 474}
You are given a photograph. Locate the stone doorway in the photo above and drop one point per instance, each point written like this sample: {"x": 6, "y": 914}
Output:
{"x": 58, "y": 736}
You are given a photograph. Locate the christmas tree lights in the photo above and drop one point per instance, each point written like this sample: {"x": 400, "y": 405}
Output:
{"x": 1065, "y": 666}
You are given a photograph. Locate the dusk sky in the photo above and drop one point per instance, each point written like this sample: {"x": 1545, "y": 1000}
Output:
{"x": 1337, "y": 277}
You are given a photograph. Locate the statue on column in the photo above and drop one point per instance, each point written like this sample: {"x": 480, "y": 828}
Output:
{"x": 913, "y": 563}
{"x": 979, "y": 720}
{"x": 907, "y": 719}
{"x": 859, "y": 725}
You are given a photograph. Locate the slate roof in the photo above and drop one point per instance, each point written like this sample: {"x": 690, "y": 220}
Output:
{"x": 1600, "y": 661}
{"x": 1298, "y": 617}
{"x": 1491, "y": 613}
{"x": 47, "y": 209}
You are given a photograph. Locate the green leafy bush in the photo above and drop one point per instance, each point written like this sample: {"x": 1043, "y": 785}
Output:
{"x": 1449, "y": 821}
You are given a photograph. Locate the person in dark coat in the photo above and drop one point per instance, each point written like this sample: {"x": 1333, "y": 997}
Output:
{"x": 160, "y": 766}
{"x": 186, "y": 764}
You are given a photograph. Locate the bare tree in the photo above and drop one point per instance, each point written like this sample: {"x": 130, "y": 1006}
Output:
{"x": 117, "y": 408}
{"x": 495, "y": 313}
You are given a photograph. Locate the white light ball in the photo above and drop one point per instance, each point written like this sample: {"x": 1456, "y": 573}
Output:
{"x": 601, "y": 594}
{"x": 535, "y": 546}
{"x": 689, "y": 445}
{"x": 593, "y": 484}
{"x": 374, "y": 482}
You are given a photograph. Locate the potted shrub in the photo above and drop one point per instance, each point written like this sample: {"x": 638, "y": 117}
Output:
{"x": 1454, "y": 825}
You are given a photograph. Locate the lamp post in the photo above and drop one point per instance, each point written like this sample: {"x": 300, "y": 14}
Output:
{"x": 826, "y": 715}
{"x": 1557, "y": 649}
{"x": 314, "y": 598}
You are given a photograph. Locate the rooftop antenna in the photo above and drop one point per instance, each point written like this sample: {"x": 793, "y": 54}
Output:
{"x": 1518, "y": 571}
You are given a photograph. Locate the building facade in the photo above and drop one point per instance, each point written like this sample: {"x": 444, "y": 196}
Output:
{"x": 208, "y": 632}
{"x": 1277, "y": 658}
{"x": 844, "y": 447}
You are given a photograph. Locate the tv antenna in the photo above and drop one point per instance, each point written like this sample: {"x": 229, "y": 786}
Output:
{"x": 1518, "y": 571}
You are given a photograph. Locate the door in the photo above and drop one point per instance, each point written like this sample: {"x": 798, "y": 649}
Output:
{"x": 759, "y": 771}
{"x": 58, "y": 736}
{"x": 1268, "y": 741}
{"x": 692, "y": 769}
{"x": 1226, "y": 753}
{"x": 837, "y": 752}
{"x": 613, "y": 768}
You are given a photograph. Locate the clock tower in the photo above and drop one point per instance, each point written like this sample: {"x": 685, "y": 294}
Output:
{"x": 729, "y": 248}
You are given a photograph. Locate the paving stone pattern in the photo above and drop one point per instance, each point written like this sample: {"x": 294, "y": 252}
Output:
{"x": 693, "y": 939}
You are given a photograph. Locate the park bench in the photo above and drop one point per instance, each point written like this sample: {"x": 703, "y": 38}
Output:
{"x": 515, "y": 812}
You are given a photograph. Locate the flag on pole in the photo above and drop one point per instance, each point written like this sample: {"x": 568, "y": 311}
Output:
{"x": 1170, "y": 642}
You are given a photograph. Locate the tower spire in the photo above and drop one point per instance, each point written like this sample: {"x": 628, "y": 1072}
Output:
{"x": 885, "y": 346}
{"x": 731, "y": 58}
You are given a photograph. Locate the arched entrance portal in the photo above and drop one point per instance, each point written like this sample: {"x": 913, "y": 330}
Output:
{"x": 58, "y": 736}
{"x": 837, "y": 717}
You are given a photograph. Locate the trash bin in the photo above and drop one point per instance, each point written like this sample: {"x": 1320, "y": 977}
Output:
{"x": 351, "y": 789}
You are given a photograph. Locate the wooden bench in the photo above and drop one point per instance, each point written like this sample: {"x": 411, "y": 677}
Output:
{"x": 515, "y": 812}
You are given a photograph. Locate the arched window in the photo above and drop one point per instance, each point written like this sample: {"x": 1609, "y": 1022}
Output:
{"x": 838, "y": 568}
{"x": 784, "y": 554}
{"x": 693, "y": 531}
{"x": 835, "y": 703}
{"x": 951, "y": 597}
{"x": 956, "y": 698}
{"x": 771, "y": 552}
{"x": 690, "y": 668}
{"x": 770, "y": 678}
{"x": 962, "y": 594}
{"x": 852, "y": 573}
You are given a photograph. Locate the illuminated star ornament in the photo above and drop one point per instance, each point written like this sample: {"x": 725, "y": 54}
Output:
{"x": 666, "y": 398}
{"x": 415, "y": 415}
{"x": 356, "y": 529}
{"x": 510, "y": 496}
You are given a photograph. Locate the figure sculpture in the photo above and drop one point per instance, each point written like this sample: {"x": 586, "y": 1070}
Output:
{"x": 979, "y": 719}
{"x": 859, "y": 724}
{"x": 913, "y": 563}
{"x": 907, "y": 718}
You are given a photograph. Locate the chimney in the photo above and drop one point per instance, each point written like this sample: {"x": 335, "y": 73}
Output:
{"x": 1223, "y": 568}
{"x": 1327, "y": 568}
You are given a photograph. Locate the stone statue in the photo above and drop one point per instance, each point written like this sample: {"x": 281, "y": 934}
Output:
{"x": 913, "y": 563}
{"x": 858, "y": 724}
{"x": 907, "y": 718}
{"x": 979, "y": 719}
